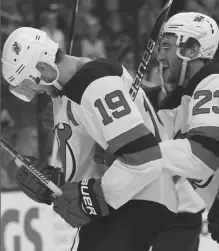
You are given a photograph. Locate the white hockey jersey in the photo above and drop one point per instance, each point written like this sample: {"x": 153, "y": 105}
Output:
{"x": 96, "y": 107}
{"x": 194, "y": 117}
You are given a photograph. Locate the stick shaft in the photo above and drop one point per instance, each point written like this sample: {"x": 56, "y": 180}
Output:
{"x": 31, "y": 168}
{"x": 72, "y": 27}
{"x": 149, "y": 49}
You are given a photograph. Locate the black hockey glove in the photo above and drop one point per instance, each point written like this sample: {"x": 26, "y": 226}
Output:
{"x": 34, "y": 188}
{"x": 213, "y": 220}
{"x": 81, "y": 202}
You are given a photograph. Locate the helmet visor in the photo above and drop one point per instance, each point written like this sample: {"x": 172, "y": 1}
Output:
{"x": 23, "y": 91}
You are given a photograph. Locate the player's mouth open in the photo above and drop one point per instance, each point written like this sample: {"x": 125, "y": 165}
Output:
{"x": 164, "y": 68}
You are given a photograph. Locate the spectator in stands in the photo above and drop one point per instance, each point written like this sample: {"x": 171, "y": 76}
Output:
{"x": 127, "y": 61}
{"x": 7, "y": 119}
{"x": 63, "y": 13}
{"x": 116, "y": 37}
{"x": 27, "y": 141}
{"x": 92, "y": 46}
{"x": 50, "y": 26}
{"x": 7, "y": 184}
{"x": 6, "y": 173}
{"x": 25, "y": 10}
{"x": 83, "y": 16}
{"x": 208, "y": 7}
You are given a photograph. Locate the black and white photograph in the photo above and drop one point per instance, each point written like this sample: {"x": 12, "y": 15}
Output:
{"x": 109, "y": 125}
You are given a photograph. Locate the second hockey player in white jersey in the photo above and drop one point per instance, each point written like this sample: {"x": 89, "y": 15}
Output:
{"x": 190, "y": 112}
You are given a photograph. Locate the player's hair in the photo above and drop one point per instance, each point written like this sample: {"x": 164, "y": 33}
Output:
{"x": 60, "y": 54}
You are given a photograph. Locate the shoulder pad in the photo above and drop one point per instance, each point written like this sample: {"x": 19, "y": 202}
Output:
{"x": 205, "y": 72}
{"x": 87, "y": 74}
{"x": 173, "y": 99}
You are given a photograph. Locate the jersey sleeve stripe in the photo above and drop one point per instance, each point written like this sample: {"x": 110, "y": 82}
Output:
{"x": 207, "y": 136}
{"x": 204, "y": 154}
{"x": 130, "y": 135}
{"x": 70, "y": 114}
{"x": 143, "y": 143}
{"x": 142, "y": 157}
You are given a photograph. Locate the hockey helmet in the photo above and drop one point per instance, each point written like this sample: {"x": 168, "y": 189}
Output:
{"x": 22, "y": 50}
{"x": 199, "y": 27}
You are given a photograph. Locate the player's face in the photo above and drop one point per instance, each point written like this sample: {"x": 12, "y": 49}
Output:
{"x": 27, "y": 90}
{"x": 34, "y": 87}
{"x": 171, "y": 63}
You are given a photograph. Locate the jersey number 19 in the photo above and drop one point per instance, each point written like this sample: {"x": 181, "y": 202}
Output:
{"x": 116, "y": 102}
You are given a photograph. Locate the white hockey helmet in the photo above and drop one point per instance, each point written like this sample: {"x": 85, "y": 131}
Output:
{"x": 22, "y": 50}
{"x": 194, "y": 25}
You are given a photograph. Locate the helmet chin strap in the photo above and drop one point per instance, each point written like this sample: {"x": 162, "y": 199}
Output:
{"x": 161, "y": 77}
{"x": 184, "y": 66}
{"x": 54, "y": 82}
{"x": 183, "y": 72}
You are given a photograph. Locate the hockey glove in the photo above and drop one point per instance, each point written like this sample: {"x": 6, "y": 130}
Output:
{"x": 213, "y": 220}
{"x": 81, "y": 202}
{"x": 33, "y": 187}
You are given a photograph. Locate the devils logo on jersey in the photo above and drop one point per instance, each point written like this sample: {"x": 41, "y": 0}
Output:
{"x": 16, "y": 48}
{"x": 64, "y": 133}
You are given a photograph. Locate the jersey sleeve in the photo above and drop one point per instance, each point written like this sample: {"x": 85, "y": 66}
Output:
{"x": 197, "y": 155}
{"x": 114, "y": 121}
{"x": 168, "y": 117}
{"x": 112, "y": 118}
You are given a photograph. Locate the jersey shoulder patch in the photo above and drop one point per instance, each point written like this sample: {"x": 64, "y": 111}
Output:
{"x": 87, "y": 74}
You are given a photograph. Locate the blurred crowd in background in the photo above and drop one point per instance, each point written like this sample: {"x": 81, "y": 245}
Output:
{"x": 115, "y": 29}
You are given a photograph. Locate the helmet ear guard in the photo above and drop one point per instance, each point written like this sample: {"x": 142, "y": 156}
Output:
{"x": 198, "y": 26}
{"x": 55, "y": 83}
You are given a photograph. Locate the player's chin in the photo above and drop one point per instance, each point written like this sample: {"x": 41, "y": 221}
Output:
{"x": 169, "y": 87}
{"x": 41, "y": 92}
{"x": 167, "y": 78}
{"x": 167, "y": 75}
{"x": 171, "y": 80}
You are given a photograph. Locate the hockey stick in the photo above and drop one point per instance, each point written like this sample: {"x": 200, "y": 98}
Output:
{"x": 70, "y": 47}
{"x": 57, "y": 191}
{"x": 149, "y": 49}
{"x": 72, "y": 27}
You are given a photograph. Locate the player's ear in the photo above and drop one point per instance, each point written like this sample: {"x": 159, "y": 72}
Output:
{"x": 48, "y": 73}
{"x": 192, "y": 51}
{"x": 41, "y": 66}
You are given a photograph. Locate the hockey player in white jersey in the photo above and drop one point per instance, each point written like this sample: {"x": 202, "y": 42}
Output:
{"x": 184, "y": 34}
{"x": 187, "y": 47}
{"x": 91, "y": 104}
